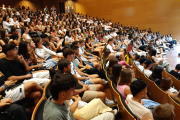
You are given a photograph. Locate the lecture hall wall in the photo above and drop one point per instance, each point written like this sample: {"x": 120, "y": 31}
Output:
{"x": 159, "y": 15}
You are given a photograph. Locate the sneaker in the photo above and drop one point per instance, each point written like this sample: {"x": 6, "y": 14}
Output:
{"x": 108, "y": 102}
{"x": 115, "y": 111}
{"x": 105, "y": 82}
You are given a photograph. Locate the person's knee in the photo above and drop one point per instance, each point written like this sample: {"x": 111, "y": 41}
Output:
{"x": 99, "y": 87}
{"x": 33, "y": 84}
{"x": 101, "y": 95}
{"x": 37, "y": 95}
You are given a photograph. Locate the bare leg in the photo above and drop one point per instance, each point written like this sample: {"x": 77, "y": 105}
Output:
{"x": 97, "y": 81}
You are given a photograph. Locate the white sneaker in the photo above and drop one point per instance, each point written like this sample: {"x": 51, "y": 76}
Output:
{"x": 115, "y": 111}
{"x": 108, "y": 102}
{"x": 105, "y": 82}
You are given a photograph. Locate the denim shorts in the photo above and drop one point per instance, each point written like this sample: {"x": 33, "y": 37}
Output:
{"x": 87, "y": 81}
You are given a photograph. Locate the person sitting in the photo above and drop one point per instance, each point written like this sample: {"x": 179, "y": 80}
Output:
{"x": 116, "y": 71}
{"x": 16, "y": 36}
{"x": 166, "y": 84}
{"x": 175, "y": 72}
{"x": 25, "y": 35}
{"x": 136, "y": 60}
{"x": 164, "y": 112}
{"x": 11, "y": 111}
{"x": 111, "y": 63}
{"x": 97, "y": 83}
{"x": 147, "y": 66}
{"x": 15, "y": 68}
{"x": 139, "y": 90}
{"x": 141, "y": 61}
{"x": 62, "y": 88}
{"x": 45, "y": 53}
{"x": 124, "y": 82}
{"x": 110, "y": 47}
{"x": 156, "y": 75}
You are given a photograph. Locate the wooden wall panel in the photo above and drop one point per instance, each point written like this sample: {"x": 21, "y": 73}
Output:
{"x": 33, "y": 4}
{"x": 159, "y": 15}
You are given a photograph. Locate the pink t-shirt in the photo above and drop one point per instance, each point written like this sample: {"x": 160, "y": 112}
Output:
{"x": 121, "y": 88}
{"x": 124, "y": 63}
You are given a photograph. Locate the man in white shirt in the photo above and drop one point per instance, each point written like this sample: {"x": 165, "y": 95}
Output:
{"x": 110, "y": 47}
{"x": 147, "y": 67}
{"x": 15, "y": 22}
{"x": 139, "y": 90}
{"x": 141, "y": 61}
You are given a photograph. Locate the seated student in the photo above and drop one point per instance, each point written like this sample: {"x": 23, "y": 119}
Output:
{"x": 116, "y": 71}
{"x": 45, "y": 53}
{"x": 147, "y": 66}
{"x": 16, "y": 36}
{"x": 139, "y": 90}
{"x": 86, "y": 92}
{"x": 141, "y": 61}
{"x": 85, "y": 56}
{"x": 156, "y": 75}
{"x": 175, "y": 72}
{"x": 56, "y": 108}
{"x": 164, "y": 112}
{"x": 25, "y": 35}
{"x": 111, "y": 63}
{"x": 88, "y": 79}
{"x": 15, "y": 68}
{"x": 61, "y": 88}
{"x": 124, "y": 82}
{"x": 11, "y": 111}
{"x": 110, "y": 47}
{"x": 83, "y": 66}
{"x": 55, "y": 45}
{"x": 136, "y": 60}
{"x": 166, "y": 84}
{"x": 50, "y": 63}
{"x": 45, "y": 41}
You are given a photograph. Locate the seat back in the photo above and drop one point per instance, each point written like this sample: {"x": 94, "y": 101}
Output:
{"x": 126, "y": 113}
{"x": 176, "y": 108}
{"x": 176, "y": 82}
{"x": 158, "y": 94}
{"x": 164, "y": 74}
{"x": 38, "y": 111}
{"x": 46, "y": 91}
{"x": 134, "y": 69}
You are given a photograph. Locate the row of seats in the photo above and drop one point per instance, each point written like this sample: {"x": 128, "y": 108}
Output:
{"x": 125, "y": 112}
{"x": 156, "y": 93}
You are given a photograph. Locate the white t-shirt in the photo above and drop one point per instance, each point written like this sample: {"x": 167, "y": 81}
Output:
{"x": 137, "y": 109}
{"x": 147, "y": 72}
{"x": 68, "y": 39}
{"x": 7, "y": 25}
{"x": 73, "y": 70}
{"x": 141, "y": 67}
{"x": 110, "y": 48}
{"x": 81, "y": 52}
{"x": 15, "y": 23}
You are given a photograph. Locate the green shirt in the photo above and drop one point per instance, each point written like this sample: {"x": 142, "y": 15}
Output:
{"x": 54, "y": 111}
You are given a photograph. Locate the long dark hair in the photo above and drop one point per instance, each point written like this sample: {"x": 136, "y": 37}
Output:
{"x": 157, "y": 73}
{"x": 3, "y": 37}
{"x": 116, "y": 71}
{"x": 23, "y": 49}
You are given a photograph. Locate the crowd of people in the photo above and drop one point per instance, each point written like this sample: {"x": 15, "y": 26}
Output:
{"x": 65, "y": 49}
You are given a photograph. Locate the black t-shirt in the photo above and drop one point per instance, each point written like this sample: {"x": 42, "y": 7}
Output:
{"x": 14, "y": 37}
{"x": 11, "y": 67}
{"x": 175, "y": 74}
{"x": 46, "y": 45}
